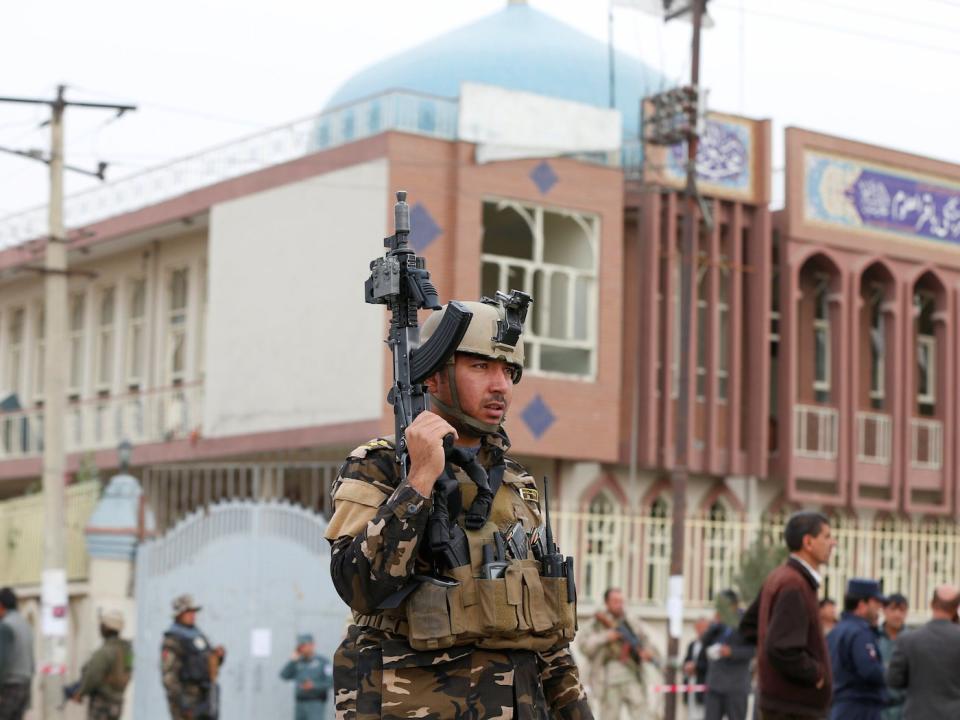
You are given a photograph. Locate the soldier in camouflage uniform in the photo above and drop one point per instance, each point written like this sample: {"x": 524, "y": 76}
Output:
{"x": 107, "y": 672}
{"x": 189, "y": 663}
{"x": 479, "y": 647}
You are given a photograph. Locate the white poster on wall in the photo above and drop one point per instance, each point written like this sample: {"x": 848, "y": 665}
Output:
{"x": 509, "y": 124}
{"x": 53, "y": 602}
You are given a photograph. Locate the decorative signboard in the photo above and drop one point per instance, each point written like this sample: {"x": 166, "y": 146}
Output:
{"x": 731, "y": 160}
{"x": 869, "y": 197}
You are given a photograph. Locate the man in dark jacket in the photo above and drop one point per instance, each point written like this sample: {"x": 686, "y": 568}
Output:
{"x": 728, "y": 664}
{"x": 855, "y": 654}
{"x": 792, "y": 661}
{"x": 925, "y": 662}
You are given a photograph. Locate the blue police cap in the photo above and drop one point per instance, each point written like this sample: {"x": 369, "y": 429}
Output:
{"x": 865, "y": 589}
{"x": 304, "y": 638}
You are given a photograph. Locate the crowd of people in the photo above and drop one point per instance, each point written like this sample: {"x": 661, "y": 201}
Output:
{"x": 791, "y": 650}
{"x": 189, "y": 666}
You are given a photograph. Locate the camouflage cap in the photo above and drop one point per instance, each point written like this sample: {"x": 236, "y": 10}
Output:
{"x": 112, "y": 620}
{"x": 304, "y": 638}
{"x": 183, "y": 603}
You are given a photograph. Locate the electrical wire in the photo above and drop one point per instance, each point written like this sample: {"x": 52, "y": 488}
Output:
{"x": 875, "y": 14}
{"x": 844, "y": 30}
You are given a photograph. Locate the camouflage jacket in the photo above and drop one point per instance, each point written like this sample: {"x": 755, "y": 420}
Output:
{"x": 107, "y": 671}
{"x": 376, "y": 532}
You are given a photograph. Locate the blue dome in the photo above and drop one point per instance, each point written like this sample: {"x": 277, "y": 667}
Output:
{"x": 518, "y": 48}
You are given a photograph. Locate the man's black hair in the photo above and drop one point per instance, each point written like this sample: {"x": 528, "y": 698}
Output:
{"x": 730, "y": 596}
{"x": 850, "y": 602}
{"x": 805, "y": 522}
{"x": 606, "y": 593}
{"x": 827, "y": 601}
{"x": 8, "y": 599}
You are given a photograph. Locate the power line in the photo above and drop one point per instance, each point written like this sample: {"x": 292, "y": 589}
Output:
{"x": 844, "y": 30}
{"x": 893, "y": 18}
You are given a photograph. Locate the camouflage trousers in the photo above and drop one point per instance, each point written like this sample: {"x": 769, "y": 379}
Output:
{"x": 385, "y": 680}
{"x": 101, "y": 708}
{"x": 190, "y": 705}
{"x": 14, "y": 700}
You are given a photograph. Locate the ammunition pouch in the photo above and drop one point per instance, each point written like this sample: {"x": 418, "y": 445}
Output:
{"x": 520, "y": 610}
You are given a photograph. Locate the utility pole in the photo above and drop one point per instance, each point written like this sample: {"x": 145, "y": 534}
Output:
{"x": 676, "y": 118}
{"x": 54, "y": 599}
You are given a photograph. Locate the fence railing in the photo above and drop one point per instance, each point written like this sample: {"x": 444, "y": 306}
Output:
{"x": 926, "y": 444}
{"x": 874, "y": 431}
{"x": 815, "y": 433}
{"x": 21, "y": 534}
{"x": 103, "y": 422}
{"x": 174, "y": 491}
{"x": 632, "y": 552}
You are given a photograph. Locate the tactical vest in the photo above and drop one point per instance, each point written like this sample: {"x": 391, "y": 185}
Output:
{"x": 194, "y": 654}
{"x": 520, "y": 610}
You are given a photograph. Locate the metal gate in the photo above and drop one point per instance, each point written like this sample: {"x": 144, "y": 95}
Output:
{"x": 261, "y": 572}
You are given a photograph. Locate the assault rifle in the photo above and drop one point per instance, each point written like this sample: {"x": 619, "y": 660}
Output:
{"x": 400, "y": 281}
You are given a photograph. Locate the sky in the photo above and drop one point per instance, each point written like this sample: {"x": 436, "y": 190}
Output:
{"x": 206, "y": 72}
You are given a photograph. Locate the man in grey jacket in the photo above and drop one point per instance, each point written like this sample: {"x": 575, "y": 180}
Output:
{"x": 16, "y": 658}
{"x": 728, "y": 663}
{"x": 925, "y": 662}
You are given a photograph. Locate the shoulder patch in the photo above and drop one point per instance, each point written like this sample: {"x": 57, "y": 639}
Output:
{"x": 377, "y": 444}
{"x": 359, "y": 491}
{"x": 530, "y": 494}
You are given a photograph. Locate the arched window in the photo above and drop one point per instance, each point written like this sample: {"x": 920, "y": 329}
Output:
{"x": 821, "y": 338}
{"x": 604, "y": 529}
{"x": 719, "y": 550}
{"x": 657, "y": 551}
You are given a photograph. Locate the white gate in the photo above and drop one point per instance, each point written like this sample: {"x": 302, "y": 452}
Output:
{"x": 261, "y": 571}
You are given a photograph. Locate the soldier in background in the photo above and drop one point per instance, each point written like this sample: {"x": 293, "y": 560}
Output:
{"x": 107, "y": 673}
{"x": 617, "y": 649}
{"x": 190, "y": 665}
{"x": 313, "y": 675}
{"x": 16, "y": 658}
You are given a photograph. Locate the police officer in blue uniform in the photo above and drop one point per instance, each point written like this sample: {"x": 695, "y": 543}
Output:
{"x": 313, "y": 676}
{"x": 859, "y": 688}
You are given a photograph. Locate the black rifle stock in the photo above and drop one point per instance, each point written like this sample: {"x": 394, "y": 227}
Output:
{"x": 400, "y": 281}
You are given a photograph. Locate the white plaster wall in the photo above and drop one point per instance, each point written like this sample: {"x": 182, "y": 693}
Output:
{"x": 290, "y": 342}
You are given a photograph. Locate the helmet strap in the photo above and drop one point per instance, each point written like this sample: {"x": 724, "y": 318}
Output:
{"x": 455, "y": 411}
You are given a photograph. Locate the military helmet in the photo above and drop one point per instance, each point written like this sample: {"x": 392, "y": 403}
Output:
{"x": 112, "y": 620}
{"x": 184, "y": 603}
{"x": 494, "y": 332}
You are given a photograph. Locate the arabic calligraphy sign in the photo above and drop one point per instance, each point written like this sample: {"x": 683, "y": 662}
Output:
{"x": 727, "y": 160}
{"x": 852, "y": 193}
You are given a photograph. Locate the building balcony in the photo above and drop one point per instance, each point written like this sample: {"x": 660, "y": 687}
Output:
{"x": 874, "y": 434}
{"x": 926, "y": 444}
{"x": 815, "y": 432}
{"x": 148, "y": 416}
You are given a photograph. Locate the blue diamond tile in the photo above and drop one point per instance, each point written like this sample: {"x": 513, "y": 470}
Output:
{"x": 538, "y": 417}
{"x": 544, "y": 177}
{"x": 423, "y": 229}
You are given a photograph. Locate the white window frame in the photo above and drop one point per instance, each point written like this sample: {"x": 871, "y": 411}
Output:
{"x": 15, "y": 350}
{"x": 533, "y": 215}
{"x": 177, "y": 328}
{"x": 822, "y": 325}
{"x": 40, "y": 353}
{"x": 929, "y": 344}
{"x": 878, "y": 361}
{"x": 723, "y": 331}
{"x": 76, "y": 344}
{"x": 135, "y": 323}
{"x": 702, "y": 290}
{"x": 106, "y": 341}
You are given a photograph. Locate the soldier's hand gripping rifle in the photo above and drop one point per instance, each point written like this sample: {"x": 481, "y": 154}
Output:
{"x": 400, "y": 281}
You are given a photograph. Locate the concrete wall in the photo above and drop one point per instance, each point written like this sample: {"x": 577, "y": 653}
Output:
{"x": 289, "y": 341}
